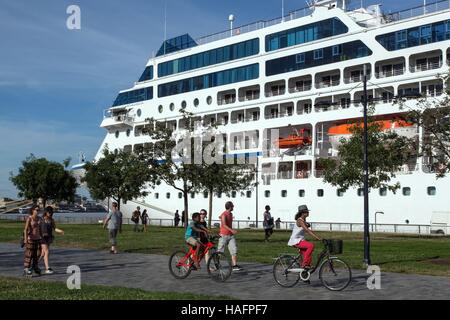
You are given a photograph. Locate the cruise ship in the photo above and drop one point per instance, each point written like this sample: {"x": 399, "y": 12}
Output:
{"x": 301, "y": 76}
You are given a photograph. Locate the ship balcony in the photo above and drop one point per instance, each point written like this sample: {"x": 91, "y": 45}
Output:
{"x": 425, "y": 67}
{"x": 390, "y": 68}
{"x": 226, "y": 97}
{"x": 300, "y": 84}
{"x": 274, "y": 89}
{"x": 117, "y": 120}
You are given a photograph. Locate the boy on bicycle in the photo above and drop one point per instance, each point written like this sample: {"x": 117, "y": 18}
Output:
{"x": 192, "y": 234}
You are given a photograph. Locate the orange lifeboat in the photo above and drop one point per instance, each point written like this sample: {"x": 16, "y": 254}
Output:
{"x": 386, "y": 125}
{"x": 295, "y": 140}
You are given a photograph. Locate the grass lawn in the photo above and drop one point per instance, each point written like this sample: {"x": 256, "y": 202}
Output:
{"x": 392, "y": 252}
{"x": 25, "y": 289}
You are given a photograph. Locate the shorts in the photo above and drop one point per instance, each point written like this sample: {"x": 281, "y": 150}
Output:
{"x": 193, "y": 241}
{"x": 113, "y": 236}
{"x": 47, "y": 240}
{"x": 230, "y": 241}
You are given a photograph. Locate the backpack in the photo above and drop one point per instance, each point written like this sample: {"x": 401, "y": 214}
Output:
{"x": 135, "y": 217}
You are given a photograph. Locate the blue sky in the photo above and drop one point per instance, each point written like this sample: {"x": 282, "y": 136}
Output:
{"x": 55, "y": 83}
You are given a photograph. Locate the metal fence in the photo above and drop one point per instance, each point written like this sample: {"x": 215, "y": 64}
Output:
{"x": 251, "y": 224}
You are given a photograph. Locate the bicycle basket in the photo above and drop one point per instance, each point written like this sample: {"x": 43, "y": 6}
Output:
{"x": 336, "y": 246}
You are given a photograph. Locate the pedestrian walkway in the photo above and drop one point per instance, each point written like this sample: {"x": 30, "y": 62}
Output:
{"x": 150, "y": 272}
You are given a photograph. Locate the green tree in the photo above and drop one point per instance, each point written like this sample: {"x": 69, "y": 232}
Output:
{"x": 224, "y": 178}
{"x": 122, "y": 176}
{"x": 387, "y": 153}
{"x": 433, "y": 116}
{"x": 46, "y": 180}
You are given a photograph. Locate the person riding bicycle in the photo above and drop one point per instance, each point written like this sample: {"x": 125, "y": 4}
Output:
{"x": 297, "y": 239}
{"x": 193, "y": 231}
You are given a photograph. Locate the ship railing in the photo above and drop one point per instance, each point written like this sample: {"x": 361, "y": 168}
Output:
{"x": 300, "y": 88}
{"x": 408, "y": 13}
{"x": 355, "y": 79}
{"x": 251, "y": 224}
{"x": 285, "y": 175}
{"x": 275, "y": 93}
{"x": 426, "y": 66}
{"x": 393, "y": 73}
{"x": 327, "y": 84}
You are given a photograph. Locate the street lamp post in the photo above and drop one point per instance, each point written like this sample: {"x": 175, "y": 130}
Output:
{"x": 367, "y": 261}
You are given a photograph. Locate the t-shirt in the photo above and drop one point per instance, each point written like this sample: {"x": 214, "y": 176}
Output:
{"x": 228, "y": 222}
{"x": 190, "y": 232}
{"x": 268, "y": 222}
{"x": 298, "y": 234}
{"x": 115, "y": 220}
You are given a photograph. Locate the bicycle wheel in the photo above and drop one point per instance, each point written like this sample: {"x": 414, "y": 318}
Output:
{"x": 281, "y": 272}
{"x": 335, "y": 274}
{"x": 219, "y": 267}
{"x": 180, "y": 265}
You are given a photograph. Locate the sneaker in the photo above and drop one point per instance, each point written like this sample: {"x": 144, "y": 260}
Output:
{"x": 28, "y": 272}
{"x": 38, "y": 271}
{"x": 237, "y": 268}
{"x": 49, "y": 271}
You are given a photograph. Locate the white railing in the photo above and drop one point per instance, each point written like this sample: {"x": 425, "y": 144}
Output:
{"x": 273, "y": 93}
{"x": 393, "y": 73}
{"x": 300, "y": 88}
{"x": 327, "y": 84}
{"x": 426, "y": 67}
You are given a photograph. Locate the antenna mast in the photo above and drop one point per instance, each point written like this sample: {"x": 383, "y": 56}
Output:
{"x": 165, "y": 25}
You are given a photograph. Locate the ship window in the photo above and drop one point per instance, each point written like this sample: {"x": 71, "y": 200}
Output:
{"x": 337, "y": 50}
{"x": 431, "y": 191}
{"x": 283, "y": 193}
{"x": 180, "y": 195}
{"x": 360, "y": 192}
{"x": 318, "y": 54}
{"x": 205, "y": 195}
{"x": 320, "y": 193}
{"x": 168, "y": 195}
{"x": 172, "y": 107}
{"x": 383, "y": 192}
{"x": 300, "y": 58}
{"x": 156, "y": 195}
{"x": 139, "y": 113}
{"x": 128, "y": 132}
{"x": 340, "y": 193}
{"x": 160, "y": 109}
{"x": 147, "y": 74}
{"x": 267, "y": 194}
{"x": 209, "y": 100}
{"x": 407, "y": 191}
{"x": 184, "y": 104}
{"x": 248, "y": 194}
{"x": 233, "y": 194}
{"x": 117, "y": 134}
{"x": 301, "y": 193}
{"x": 219, "y": 195}
{"x": 425, "y": 34}
{"x": 196, "y": 102}
{"x": 192, "y": 195}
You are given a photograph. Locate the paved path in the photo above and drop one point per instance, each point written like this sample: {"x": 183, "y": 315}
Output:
{"x": 150, "y": 272}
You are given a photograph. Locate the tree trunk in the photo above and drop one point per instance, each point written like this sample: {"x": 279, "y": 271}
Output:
{"x": 118, "y": 203}
{"x": 44, "y": 202}
{"x": 186, "y": 207}
{"x": 210, "y": 208}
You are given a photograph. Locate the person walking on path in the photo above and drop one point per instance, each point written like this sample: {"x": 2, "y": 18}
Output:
{"x": 48, "y": 227}
{"x": 176, "y": 219}
{"x": 32, "y": 235}
{"x": 227, "y": 235}
{"x": 144, "y": 219}
{"x": 278, "y": 223}
{"x": 267, "y": 224}
{"x": 297, "y": 239}
{"x": 114, "y": 223}
{"x": 135, "y": 218}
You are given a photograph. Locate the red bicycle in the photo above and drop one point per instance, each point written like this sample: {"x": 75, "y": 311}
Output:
{"x": 218, "y": 265}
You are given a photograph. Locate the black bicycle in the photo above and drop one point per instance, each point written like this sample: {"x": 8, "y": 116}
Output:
{"x": 334, "y": 273}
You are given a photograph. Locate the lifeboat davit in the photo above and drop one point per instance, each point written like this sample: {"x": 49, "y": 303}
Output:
{"x": 401, "y": 127}
{"x": 295, "y": 140}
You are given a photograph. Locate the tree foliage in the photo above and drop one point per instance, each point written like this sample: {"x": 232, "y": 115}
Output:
{"x": 122, "y": 176}
{"x": 432, "y": 114}
{"x": 46, "y": 180}
{"x": 387, "y": 153}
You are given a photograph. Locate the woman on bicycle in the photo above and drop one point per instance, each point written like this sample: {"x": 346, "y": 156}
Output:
{"x": 297, "y": 239}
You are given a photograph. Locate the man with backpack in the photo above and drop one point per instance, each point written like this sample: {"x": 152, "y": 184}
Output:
{"x": 268, "y": 224}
